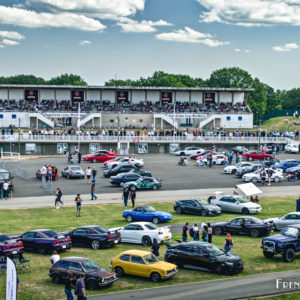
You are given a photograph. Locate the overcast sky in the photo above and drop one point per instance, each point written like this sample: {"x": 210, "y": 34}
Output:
{"x": 99, "y": 39}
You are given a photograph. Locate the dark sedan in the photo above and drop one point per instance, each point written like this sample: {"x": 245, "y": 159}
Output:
{"x": 9, "y": 246}
{"x": 120, "y": 179}
{"x": 119, "y": 169}
{"x": 94, "y": 236}
{"x": 141, "y": 172}
{"x": 203, "y": 257}
{"x": 44, "y": 241}
{"x": 196, "y": 207}
{"x": 244, "y": 226}
{"x": 239, "y": 149}
{"x": 95, "y": 276}
{"x": 249, "y": 169}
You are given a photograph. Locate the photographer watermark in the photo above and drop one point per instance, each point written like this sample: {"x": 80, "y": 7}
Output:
{"x": 287, "y": 285}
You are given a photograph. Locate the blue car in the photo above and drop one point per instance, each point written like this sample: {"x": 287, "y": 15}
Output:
{"x": 287, "y": 163}
{"x": 146, "y": 213}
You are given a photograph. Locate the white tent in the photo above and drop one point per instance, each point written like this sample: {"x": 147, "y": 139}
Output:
{"x": 249, "y": 189}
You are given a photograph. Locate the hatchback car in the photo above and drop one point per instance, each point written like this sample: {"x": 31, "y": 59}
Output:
{"x": 9, "y": 246}
{"x": 95, "y": 276}
{"x": 73, "y": 172}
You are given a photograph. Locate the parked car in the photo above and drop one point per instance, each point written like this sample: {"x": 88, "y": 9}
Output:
{"x": 240, "y": 149}
{"x": 286, "y": 243}
{"x": 144, "y": 264}
{"x": 144, "y": 233}
{"x": 73, "y": 172}
{"x": 98, "y": 157}
{"x": 196, "y": 207}
{"x": 9, "y": 246}
{"x": 235, "y": 203}
{"x": 287, "y": 163}
{"x": 144, "y": 183}
{"x": 94, "y": 236}
{"x": 244, "y": 170}
{"x": 291, "y": 148}
{"x": 122, "y": 178}
{"x": 203, "y": 257}
{"x": 141, "y": 172}
{"x": 44, "y": 241}
{"x": 292, "y": 218}
{"x": 196, "y": 156}
{"x": 232, "y": 169}
{"x": 146, "y": 213}
{"x": 117, "y": 170}
{"x": 276, "y": 175}
{"x": 189, "y": 151}
{"x": 95, "y": 276}
{"x": 257, "y": 155}
{"x": 137, "y": 163}
{"x": 105, "y": 152}
{"x": 38, "y": 174}
{"x": 244, "y": 226}
{"x": 293, "y": 170}
{"x": 203, "y": 160}
{"x": 5, "y": 176}
{"x": 116, "y": 162}
{"x": 113, "y": 160}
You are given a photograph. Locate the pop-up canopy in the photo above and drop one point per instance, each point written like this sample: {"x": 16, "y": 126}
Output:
{"x": 249, "y": 189}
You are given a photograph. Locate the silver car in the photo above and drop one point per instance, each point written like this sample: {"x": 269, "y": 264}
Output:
{"x": 292, "y": 218}
{"x": 237, "y": 204}
{"x": 73, "y": 172}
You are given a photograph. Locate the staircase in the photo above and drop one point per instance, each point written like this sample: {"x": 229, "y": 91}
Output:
{"x": 42, "y": 118}
{"x": 208, "y": 120}
{"x": 166, "y": 118}
{"x": 89, "y": 118}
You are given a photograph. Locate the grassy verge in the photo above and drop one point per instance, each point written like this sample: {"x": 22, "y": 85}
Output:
{"x": 37, "y": 285}
{"x": 277, "y": 124}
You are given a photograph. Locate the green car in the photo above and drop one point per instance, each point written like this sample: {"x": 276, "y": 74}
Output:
{"x": 144, "y": 183}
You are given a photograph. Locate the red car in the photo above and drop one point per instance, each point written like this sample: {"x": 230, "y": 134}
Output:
{"x": 197, "y": 156}
{"x": 9, "y": 246}
{"x": 257, "y": 155}
{"x": 115, "y": 159}
{"x": 98, "y": 157}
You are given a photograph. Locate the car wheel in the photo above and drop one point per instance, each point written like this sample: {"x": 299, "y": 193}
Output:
{"x": 182, "y": 153}
{"x": 42, "y": 250}
{"x": 233, "y": 171}
{"x": 146, "y": 241}
{"x": 138, "y": 166}
{"x": 178, "y": 210}
{"x": 268, "y": 254}
{"x": 155, "y": 220}
{"x": 218, "y": 231}
{"x": 155, "y": 187}
{"x": 203, "y": 213}
{"x": 254, "y": 179}
{"x": 129, "y": 218}
{"x": 254, "y": 232}
{"x": 155, "y": 277}
{"x": 218, "y": 269}
{"x": 55, "y": 278}
{"x": 94, "y": 160}
{"x": 276, "y": 179}
{"x": 289, "y": 255}
{"x": 91, "y": 285}
{"x": 95, "y": 244}
{"x": 245, "y": 211}
{"x": 119, "y": 271}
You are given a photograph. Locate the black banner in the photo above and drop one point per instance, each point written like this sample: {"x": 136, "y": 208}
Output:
{"x": 166, "y": 97}
{"x": 31, "y": 95}
{"x": 77, "y": 96}
{"x": 209, "y": 97}
{"x": 122, "y": 96}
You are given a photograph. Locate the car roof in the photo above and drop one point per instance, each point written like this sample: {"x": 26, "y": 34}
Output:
{"x": 140, "y": 223}
{"x": 194, "y": 243}
{"x": 89, "y": 226}
{"x": 75, "y": 258}
{"x": 136, "y": 252}
{"x": 39, "y": 230}
{"x": 3, "y": 171}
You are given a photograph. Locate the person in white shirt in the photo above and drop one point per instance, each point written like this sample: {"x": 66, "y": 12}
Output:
{"x": 54, "y": 258}
{"x": 5, "y": 190}
{"x": 88, "y": 173}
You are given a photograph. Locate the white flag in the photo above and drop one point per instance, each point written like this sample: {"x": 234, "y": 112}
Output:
{"x": 11, "y": 280}
{"x": 78, "y": 117}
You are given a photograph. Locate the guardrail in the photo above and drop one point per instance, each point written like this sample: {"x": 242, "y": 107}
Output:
{"x": 10, "y": 155}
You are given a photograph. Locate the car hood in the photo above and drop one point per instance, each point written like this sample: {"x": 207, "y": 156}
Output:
{"x": 101, "y": 273}
{"x": 250, "y": 175}
{"x": 161, "y": 265}
{"x": 228, "y": 258}
{"x": 230, "y": 167}
{"x": 251, "y": 205}
{"x": 279, "y": 238}
{"x": 218, "y": 224}
{"x": 212, "y": 207}
{"x": 163, "y": 213}
{"x": 270, "y": 220}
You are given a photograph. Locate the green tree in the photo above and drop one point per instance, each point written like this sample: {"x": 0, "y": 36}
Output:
{"x": 291, "y": 99}
{"x": 67, "y": 79}
{"x": 273, "y": 98}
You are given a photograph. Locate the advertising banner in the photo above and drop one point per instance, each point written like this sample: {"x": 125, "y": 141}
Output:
{"x": 77, "y": 96}
{"x": 166, "y": 97}
{"x": 31, "y": 95}
{"x": 11, "y": 280}
{"x": 122, "y": 96}
{"x": 209, "y": 97}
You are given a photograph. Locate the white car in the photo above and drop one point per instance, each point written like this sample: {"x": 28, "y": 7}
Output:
{"x": 136, "y": 162}
{"x": 189, "y": 151}
{"x": 203, "y": 161}
{"x": 291, "y": 148}
{"x": 113, "y": 164}
{"x": 233, "y": 169}
{"x": 289, "y": 219}
{"x": 144, "y": 233}
{"x": 126, "y": 160}
{"x": 276, "y": 175}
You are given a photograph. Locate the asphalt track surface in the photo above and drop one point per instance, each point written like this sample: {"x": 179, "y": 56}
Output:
{"x": 161, "y": 166}
{"x": 223, "y": 289}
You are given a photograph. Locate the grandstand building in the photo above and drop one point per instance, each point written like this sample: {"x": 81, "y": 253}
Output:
{"x": 37, "y": 106}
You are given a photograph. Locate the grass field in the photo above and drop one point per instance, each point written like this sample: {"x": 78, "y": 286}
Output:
{"x": 277, "y": 124}
{"x": 37, "y": 284}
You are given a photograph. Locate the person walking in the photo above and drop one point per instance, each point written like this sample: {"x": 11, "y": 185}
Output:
{"x": 298, "y": 204}
{"x": 80, "y": 288}
{"x": 125, "y": 197}
{"x": 196, "y": 232}
{"x": 94, "y": 173}
{"x": 228, "y": 243}
{"x": 88, "y": 173}
{"x": 44, "y": 173}
{"x": 93, "y": 187}
{"x": 263, "y": 176}
{"x": 205, "y": 234}
{"x": 185, "y": 231}
{"x": 79, "y": 157}
{"x": 5, "y": 188}
{"x": 68, "y": 286}
{"x": 269, "y": 172}
{"x": 78, "y": 205}
{"x": 133, "y": 195}
{"x": 155, "y": 248}
{"x": 58, "y": 194}
{"x": 209, "y": 232}
{"x": 54, "y": 258}
{"x": 49, "y": 173}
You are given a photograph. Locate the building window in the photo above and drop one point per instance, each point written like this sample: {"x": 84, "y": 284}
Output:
{"x": 13, "y": 116}
{"x": 1, "y": 116}
{"x": 228, "y": 118}
{"x": 240, "y": 118}
{"x": 111, "y": 120}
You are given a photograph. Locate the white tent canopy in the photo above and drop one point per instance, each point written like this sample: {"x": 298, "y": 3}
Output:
{"x": 249, "y": 189}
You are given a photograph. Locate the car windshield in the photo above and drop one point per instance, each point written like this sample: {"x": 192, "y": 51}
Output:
{"x": 150, "y": 259}
{"x": 4, "y": 176}
{"x": 100, "y": 229}
{"x": 149, "y": 209}
{"x": 89, "y": 265}
{"x": 50, "y": 233}
{"x": 200, "y": 202}
{"x": 75, "y": 168}
{"x": 239, "y": 165}
{"x": 257, "y": 172}
{"x": 151, "y": 226}
{"x": 290, "y": 231}
{"x": 214, "y": 250}
{"x": 256, "y": 220}
{"x": 4, "y": 238}
{"x": 242, "y": 199}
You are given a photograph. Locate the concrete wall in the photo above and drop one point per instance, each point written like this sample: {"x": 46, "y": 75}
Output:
{"x": 182, "y": 96}
{"x": 108, "y": 95}
{"x": 92, "y": 95}
{"x": 47, "y": 94}
{"x": 238, "y": 98}
{"x": 3, "y": 94}
{"x": 236, "y": 121}
{"x": 135, "y": 120}
{"x": 137, "y": 96}
{"x": 153, "y": 96}
{"x": 63, "y": 95}
{"x": 197, "y": 97}
{"x": 16, "y": 94}
{"x": 8, "y": 120}
{"x": 225, "y": 97}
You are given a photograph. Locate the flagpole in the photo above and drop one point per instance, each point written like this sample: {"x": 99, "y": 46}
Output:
{"x": 78, "y": 125}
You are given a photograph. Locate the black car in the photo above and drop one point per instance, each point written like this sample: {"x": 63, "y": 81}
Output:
{"x": 240, "y": 149}
{"x": 245, "y": 226}
{"x": 5, "y": 176}
{"x": 270, "y": 163}
{"x": 203, "y": 256}
{"x": 119, "y": 169}
{"x": 94, "y": 236}
{"x": 244, "y": 170}
{"x": 95, "y": 276}
{"x": 196, "y": 207}
{"x": 121, "y": 178}
{"x": 141, "y": 172}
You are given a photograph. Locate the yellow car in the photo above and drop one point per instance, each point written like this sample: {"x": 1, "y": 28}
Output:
{"x": 144, "y": 264}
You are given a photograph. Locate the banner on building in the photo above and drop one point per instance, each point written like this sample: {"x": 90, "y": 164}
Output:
{"x": 188, "y": 116}
{"x": 30, "y": 148}
{"x": 62, "y": 148}
{"x": 94, "y": 147}
{"x": 209, "y": 97}
{"x": 174, "y": 148}
{"x": 122, "y": 96}
{"x": 142, "y": 148}
{"x": 11, "y": 280}
{"x": 31, "y": 95}
{"x": 166, "y": 97}
{"x": 77, "y": 96}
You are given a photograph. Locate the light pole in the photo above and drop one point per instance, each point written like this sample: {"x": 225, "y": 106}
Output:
{"x": 118, "y": 133}
{"x": 174, "y": 108}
